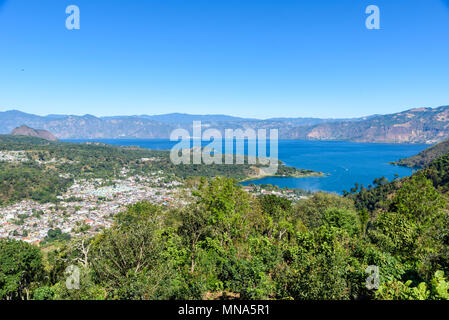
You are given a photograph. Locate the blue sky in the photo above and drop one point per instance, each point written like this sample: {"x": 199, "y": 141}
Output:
{"x": 252, "y": 58}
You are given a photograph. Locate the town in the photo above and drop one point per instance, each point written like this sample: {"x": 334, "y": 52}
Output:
{"x": 89, "y": 205}
{"x": 86, "y": 208}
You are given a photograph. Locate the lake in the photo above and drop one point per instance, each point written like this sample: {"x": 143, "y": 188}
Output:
{"x": 346, "y": 162}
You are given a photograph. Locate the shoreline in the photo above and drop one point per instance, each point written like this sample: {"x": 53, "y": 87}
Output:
{"x": 312, "y": 174}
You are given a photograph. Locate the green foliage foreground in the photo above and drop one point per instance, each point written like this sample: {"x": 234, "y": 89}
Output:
{"x": 230, "y": 244}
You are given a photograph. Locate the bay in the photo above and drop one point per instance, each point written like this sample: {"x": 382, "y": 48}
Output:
{"x": 346, "y": 163}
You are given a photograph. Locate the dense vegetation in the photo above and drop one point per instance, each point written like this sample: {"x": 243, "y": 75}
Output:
{"x": 30, "y": 181}
{"x": 230, "y": 244}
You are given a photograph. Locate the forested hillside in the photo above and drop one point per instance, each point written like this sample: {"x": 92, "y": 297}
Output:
{"x": 227, "y": 243}
{"x": 230, "y": 244}
{"x": 425, "y": 157}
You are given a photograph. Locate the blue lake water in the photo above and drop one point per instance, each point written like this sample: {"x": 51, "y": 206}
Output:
{"x": 346, "y": 162}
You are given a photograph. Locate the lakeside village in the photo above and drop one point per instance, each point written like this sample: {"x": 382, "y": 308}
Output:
{"x": 89, "y": 206}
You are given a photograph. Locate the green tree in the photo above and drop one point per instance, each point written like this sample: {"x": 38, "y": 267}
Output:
{"x": 310, "y": 211}
{"x": 128, "y": 258}
{"x": 418, "y": 200}
{"x": 195, "y": 227}
{"x": 413, "y": 227}
{"x": 342, "y": 219}
{"x": 315, "y": 267}
{"x": 226, "y": 204}
{"x": 279, "y": 218}
{"x": 21, "y": 268}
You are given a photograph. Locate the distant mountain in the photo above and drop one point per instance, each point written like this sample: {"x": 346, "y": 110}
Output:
{"x": 181, "y": 118}
{"x": 143, "y": 126}
{"x": 425, "y": 125}
{"x": 30, "y": 132}
{"x": 86, "y": 127}
{"x": 425, "y": 157}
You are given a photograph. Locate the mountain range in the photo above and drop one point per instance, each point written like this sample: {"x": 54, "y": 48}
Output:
{"x": 422, "y": 125}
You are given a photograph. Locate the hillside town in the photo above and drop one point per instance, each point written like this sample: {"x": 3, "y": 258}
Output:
{"x": 88, "y": 205}
{"x": 86, "y": 208}
{"x": 13, "y": 156}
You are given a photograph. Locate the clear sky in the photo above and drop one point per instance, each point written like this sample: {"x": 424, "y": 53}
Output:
{"x": 252, "y": 58}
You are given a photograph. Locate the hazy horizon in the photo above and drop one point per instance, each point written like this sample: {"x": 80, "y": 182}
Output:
{"x": 2, "y": 109}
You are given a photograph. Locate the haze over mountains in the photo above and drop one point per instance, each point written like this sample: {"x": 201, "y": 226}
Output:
{"x": 423, "y": 125}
